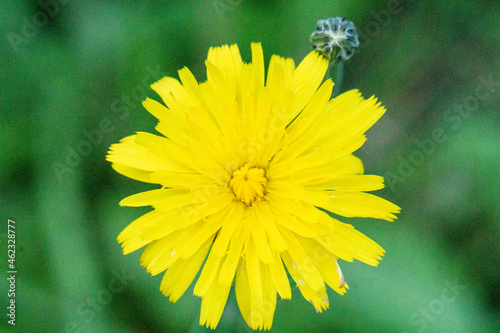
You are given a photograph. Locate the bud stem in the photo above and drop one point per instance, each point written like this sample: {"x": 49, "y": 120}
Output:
{"x": 336, "y": 39}
{"x": 337, "y": 76}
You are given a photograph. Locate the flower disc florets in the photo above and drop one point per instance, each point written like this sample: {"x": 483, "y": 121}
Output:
{"x": 248, "y": 184}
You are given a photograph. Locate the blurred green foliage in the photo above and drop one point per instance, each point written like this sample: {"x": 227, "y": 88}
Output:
{"x": 72, "y": 84}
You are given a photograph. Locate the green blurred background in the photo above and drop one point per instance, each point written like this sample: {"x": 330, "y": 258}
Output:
{"x": 72, "y": 84}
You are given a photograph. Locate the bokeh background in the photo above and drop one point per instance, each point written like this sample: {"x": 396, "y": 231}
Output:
{"x": 73, "y": 75}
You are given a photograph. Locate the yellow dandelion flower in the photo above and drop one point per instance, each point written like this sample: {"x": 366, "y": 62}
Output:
{"x": 248, "y": 165}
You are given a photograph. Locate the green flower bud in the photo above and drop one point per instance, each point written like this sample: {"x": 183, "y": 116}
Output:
{"x": 335, "y": 38}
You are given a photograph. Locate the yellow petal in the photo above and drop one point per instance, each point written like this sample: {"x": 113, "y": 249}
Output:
{"x": 349, "y": 244}
{"x": 149, "y": 198}
{"x": 174, "y": 95}
{"x": 305, "y": 135}
{"x": 162, "y": 253}
{"x": 280, "y": 71}
{"x": 229, "y": 225}
{"x": 346, "y": 165}
{"x": 130, "y": 237}
{"x": 303, "y": 268}
{"x": 181, "y": 180}
{"x": 348, "y": 183}
{"x": 136, "y": 174}
{"x": 316, "y": 295}
{"x": 169, "y": 125}
{"x": 213, "y": 104}
{"x": 279, "y": 277}
{"x": 176, "y": 156}
{"x": 204, "y": 232}
{"x": 243, "y": 293}
{"x": 258, "y": 66}
{"x": 228, "y": 269}
{"x": 306, "y": 79}
{"x": 348, "y": 115}
{"x": 299, "y": 226}
{"x": 324, "y": 261}
{"x": 253, "y": 271}
{"x": 263, "y": 311}
{"x": 189, "y": 82}
{"x": 353, "y": 204}
{"x": 228, "y": 60}
{"x": 180, "y": 275}
{"x": 268, "y": 221}
{"x": 208, "y": 274}
{"x": 260, "y": 242}
{"x": 130, "y": 154}
{"x": 213, "y": 303}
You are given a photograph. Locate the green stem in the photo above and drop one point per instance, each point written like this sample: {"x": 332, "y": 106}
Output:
{"x": 337, "y": 76}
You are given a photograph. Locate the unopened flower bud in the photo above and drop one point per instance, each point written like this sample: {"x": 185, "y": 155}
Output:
{"x": 335, "y": 38}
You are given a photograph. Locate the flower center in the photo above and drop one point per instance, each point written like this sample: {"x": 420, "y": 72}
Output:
{"x": 248, "y": 184}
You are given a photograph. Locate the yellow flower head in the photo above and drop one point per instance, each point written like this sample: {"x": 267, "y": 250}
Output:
{"x": 248, "y": 165}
